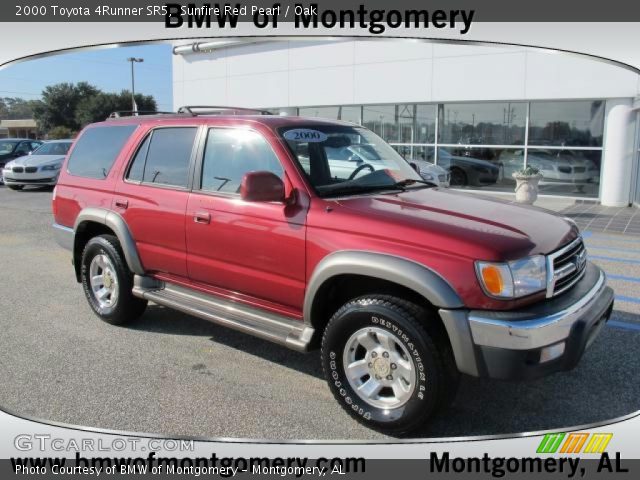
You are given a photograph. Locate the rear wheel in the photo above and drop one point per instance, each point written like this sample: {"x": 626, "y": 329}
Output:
{"x": 107, "y": 281}
{"x": 388, "y": 364}
{"x": 16, "y": 187}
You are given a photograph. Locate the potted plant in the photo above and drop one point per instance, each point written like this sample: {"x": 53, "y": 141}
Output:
{"x": 527, "y": 184}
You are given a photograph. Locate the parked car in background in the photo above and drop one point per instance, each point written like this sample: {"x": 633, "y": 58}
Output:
{"x": 40, "y": 167}
{"x": 468, "y": 171}
{"x": 11, "y": 148}
{"x": 432, "y": 173}
{"x": 556, "y": 166}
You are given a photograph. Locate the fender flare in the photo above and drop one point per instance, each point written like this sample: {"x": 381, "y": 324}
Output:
{"x": 399, "y": 270}
{"x": 116, "y": 223}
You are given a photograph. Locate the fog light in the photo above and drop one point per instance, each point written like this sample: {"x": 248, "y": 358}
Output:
{"x": 552, "y": 352}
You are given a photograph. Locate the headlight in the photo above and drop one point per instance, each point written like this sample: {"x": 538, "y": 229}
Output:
{"x": 8, "y": 166}
{"x": 514, "y": 279}
{"x": 55, "y": 166}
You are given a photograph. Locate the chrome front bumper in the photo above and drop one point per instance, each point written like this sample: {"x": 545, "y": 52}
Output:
{"x": 489, "y": 331}
{"x": 533, "y": 341}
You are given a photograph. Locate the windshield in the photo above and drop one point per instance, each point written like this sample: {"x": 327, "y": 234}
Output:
{"x": 7, "y": 147}
{"x": 339, "y": 160}
{"x": 53, "y": 148}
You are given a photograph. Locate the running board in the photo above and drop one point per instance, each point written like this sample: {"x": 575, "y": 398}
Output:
{"x": 260, "y": 323}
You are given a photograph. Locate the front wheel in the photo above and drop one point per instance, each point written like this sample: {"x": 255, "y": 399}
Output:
{"x": 458, "y": 177}
{"x": 107, "y": 281}
{"x": 388, "y": 364}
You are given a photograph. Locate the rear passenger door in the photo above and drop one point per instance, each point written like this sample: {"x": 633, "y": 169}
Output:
{"x": 254, "y": 248}
{"x": 153, "y": 195}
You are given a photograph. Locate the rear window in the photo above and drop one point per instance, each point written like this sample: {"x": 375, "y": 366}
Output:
{"x": 96, "y": 150}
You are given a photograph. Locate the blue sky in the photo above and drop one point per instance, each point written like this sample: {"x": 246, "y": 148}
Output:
{"x": 105, "y": 68}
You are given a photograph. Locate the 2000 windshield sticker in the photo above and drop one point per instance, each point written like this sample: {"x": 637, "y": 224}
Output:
{"x": 304, "y": 135}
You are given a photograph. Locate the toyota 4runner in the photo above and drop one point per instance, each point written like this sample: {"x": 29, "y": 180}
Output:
{"x": 268, "y": 225}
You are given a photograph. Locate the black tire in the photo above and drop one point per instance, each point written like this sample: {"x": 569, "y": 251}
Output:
{"x": 413, "y": 328}
{"x": 127, "y": 307}
{"x": 16, "y": 187}
{"x": 458, "y": 177}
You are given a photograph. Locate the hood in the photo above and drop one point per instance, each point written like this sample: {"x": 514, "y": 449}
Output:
{"x": 36, "y": 160}
{"x": 482, "y": 226}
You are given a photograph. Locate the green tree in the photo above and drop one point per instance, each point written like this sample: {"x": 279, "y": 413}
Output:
{"x": 59, "y": 104}
{"x": 98, "y": 107}
{"x": 60, "y": 132}
{"x": 12, "y": 108}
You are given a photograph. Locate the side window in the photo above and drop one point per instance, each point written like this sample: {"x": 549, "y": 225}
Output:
{"x": 136, "y": 170}
{"x": 96, "y": 150}
{"x": 23, "y": 148}
{"x": 167, "y": 156}
{"x": 230, "y": 153}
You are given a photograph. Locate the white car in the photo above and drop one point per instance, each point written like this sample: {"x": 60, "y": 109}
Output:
{"x": 559, "y": 167}
{"x": 432, "y": 173}
{"x": 40, "y": 167}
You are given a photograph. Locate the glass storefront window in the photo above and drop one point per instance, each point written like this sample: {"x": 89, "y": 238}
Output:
{"x": 415, "y": 152}
{"x": 382, "y": 120}
{"x": 566, "y": 123}
{"x": 482, "y": 123}
{"x": 347, "y": 113}
{"x": 482, "y": 144}
{"x": 567, "y": 172}
{"x": 476, "y": 168}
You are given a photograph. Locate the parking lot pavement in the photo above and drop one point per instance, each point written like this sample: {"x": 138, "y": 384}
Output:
{"x": 174, "y": 374}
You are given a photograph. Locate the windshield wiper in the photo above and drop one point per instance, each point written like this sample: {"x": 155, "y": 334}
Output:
{"x": 410, "y": 181}
{"x": 347, "y": 189}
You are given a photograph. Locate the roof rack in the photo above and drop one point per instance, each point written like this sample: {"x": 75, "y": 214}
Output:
{"x": 133, "y": 113}
{"x": 221, "y": 110}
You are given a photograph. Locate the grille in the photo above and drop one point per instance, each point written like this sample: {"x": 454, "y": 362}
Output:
{"x": 18, "y": 169}
{"x": 564, "y": 169}
{"x": 566, "y": 267}
{"x": 30, "y": 169}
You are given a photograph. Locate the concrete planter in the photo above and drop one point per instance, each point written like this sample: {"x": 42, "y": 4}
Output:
{"x": 527, "y": 188}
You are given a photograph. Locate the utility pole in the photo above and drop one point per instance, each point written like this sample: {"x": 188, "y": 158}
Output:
{"x": 134, "y": 107}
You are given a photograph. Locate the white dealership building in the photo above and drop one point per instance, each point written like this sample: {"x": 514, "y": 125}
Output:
{"x": 475, "y": 110}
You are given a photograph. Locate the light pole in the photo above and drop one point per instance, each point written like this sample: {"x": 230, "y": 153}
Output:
{"x": 133, "y": 83}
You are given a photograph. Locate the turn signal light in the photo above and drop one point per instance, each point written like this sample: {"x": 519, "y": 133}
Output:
{"x": 492, "y": 278}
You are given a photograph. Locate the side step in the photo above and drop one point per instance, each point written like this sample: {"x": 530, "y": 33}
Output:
{"x": 260, "y": 323}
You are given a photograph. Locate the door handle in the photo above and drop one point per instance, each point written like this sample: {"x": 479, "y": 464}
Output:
{"x": 202, "y": 217}
{"x": 122, "y": 203}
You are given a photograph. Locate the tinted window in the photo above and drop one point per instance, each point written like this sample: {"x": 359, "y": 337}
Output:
{"x": 24, "y": 148}
{"x": 579, "y": 123}
{"x": 136, "y": 170}
{"x": 230, "y": 153}
{"x": 96, "y": 150}
{"x": 482, "y": 123}
{"x": 168, "y": 156}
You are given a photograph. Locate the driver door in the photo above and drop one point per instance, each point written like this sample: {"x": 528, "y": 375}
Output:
{"x": 252, "y": 249}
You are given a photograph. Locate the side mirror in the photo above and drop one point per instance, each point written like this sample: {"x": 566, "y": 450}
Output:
{"x": 262, "y": 187}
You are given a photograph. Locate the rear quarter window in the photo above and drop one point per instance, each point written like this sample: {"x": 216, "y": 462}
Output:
{"x": 96, "y": 150}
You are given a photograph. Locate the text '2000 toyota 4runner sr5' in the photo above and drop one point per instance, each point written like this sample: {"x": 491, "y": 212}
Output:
{"x": 313, "y": 233}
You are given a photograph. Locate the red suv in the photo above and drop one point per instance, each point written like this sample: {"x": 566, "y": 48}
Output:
{"x": 267, "y": 224}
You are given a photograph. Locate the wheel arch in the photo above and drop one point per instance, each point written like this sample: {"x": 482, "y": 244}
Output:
{"x": 397, "y": 274}
{"x": 98, "y": 221}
